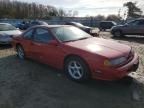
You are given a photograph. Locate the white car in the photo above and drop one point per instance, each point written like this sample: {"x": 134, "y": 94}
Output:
{"x": 6, "y": 32}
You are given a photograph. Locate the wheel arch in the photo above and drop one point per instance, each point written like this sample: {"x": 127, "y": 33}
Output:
{"x": 117, "y": 30}
{"x": 75, "y": 55}
{"x": 17, "y": 44}
{"x": 89, "y": 74}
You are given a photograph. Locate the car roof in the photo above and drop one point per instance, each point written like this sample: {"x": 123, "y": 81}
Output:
{"x": 6, "y": 23}
{"x": 106, "y": 21}
{"x": 138, "y": 19}
{"x": 75, "y": 23}
{"x": 38, "y": 21}
{"x": 52, "y": 26}
{"x": 71, "y": 22}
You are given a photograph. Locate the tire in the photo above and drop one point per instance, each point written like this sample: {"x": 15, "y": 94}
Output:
{"x": 20, "y": 52}
{"x": 76, "y": 69}
{"x": 117, "y": 34}
{"x": 100, "y": 29}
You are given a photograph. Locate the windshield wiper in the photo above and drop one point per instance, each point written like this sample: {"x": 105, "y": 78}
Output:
{"x": 77, "y": 39}
{"x": 83, "y": 38}
{"x": 69, "y": 40}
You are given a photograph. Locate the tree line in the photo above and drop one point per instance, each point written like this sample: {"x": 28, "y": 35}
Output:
{"x": 21, "y": 10}
{"x": 133, "y": 11}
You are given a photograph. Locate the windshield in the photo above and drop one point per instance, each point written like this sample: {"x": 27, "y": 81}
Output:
{"x": 43, "y": 23}
{"x": 114, "y": 23}
{"x": 6, "y": 27}
{"x": 79, "y": 24}
{"x": 133, "y": 22}
{"x": 70, "y": 33}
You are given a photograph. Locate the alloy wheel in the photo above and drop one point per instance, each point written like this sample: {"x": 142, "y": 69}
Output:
{"x": 20, "y": 52}
{"x": 75, "y": 69}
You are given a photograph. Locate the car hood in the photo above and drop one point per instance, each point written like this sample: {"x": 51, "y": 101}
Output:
{"x": 118, "y": 26}
{"x": 102, "y": 47}
{"x": 86, "y": 27}
{"x": 12, "y": 32}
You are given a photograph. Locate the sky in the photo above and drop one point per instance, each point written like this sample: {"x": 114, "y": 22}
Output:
{"x": 88, "y": 7}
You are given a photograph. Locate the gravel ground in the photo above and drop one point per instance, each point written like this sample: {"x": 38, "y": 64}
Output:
{"x": 29, "y": 84}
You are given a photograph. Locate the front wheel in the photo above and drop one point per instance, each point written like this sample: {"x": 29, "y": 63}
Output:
{"x": 118, "y": 34}
{"x": 76, "y": 69}
{"x": 20, "y": 52}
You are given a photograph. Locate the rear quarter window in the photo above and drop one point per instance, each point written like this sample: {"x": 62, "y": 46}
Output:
{"x": 28, "y": 34}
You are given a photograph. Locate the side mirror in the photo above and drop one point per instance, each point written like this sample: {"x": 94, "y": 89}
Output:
{"x": 126, "y": 25}
{"x": 53, "y": 42}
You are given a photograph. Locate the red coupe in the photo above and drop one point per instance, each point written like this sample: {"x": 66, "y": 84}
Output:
{"x": 79, "y": 54}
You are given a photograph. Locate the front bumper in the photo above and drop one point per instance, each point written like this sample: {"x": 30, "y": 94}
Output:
{"x": 117, "y": 73}
{"x": 94, "y": 34}
{"x": 5, "y": 42}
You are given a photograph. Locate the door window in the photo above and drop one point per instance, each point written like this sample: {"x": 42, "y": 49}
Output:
{"x": 42, "y": 35}
{"x": 134, "y": 23}
{"x": 141, "y": 22}
{"x": 28, "y": 35}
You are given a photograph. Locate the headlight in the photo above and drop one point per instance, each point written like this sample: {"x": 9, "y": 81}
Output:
{"x": 4, "y": 36}
{"x": 94, "y": 30}
{"x": 131, "y": 52}
{"x": 115, "y": 62}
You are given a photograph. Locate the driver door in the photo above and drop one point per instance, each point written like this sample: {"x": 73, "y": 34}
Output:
{"x": 132, "y": 28}
{"x": 43, "y": 50}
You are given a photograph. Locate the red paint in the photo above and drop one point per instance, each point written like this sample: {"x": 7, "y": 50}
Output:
{"x": 93, "y": 50}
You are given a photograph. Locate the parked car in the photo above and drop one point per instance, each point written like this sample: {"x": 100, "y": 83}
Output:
{"x": 6, "y": 33}
{"x": 79, "y": 54}
{"x": 89, "y": 30}
{"x": 38, "y": 22}
{"x": 104, "y": 25}
{"x": 26, "y": 24}
{"x": 135, "y": 27}
{"x": 23, "y": 25}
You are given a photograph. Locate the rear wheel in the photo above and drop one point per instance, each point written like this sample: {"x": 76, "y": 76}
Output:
{"x": 76, "y": 69}
{"x": 101, "y": 29}
{"x": 118, "y": 34}
{"x": 20, "y": 52}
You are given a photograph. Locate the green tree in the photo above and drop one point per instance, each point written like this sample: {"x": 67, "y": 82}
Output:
{"x": 113, "y": 18}
{"x": 61, "y": 13}
{"x": 100, "y": 17}
{"x": 23, "y": 10}
{"x": 133, "y": 10}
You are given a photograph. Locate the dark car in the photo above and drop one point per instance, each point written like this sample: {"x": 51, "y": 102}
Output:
{"x": 104, "y": 25}
{"x": 135, "y": 27}
{"x": 37, "y": 22}
{"x": 23, "y": 25}
{"x": 89, "y": 30}
{"x": 26, "y": 24}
